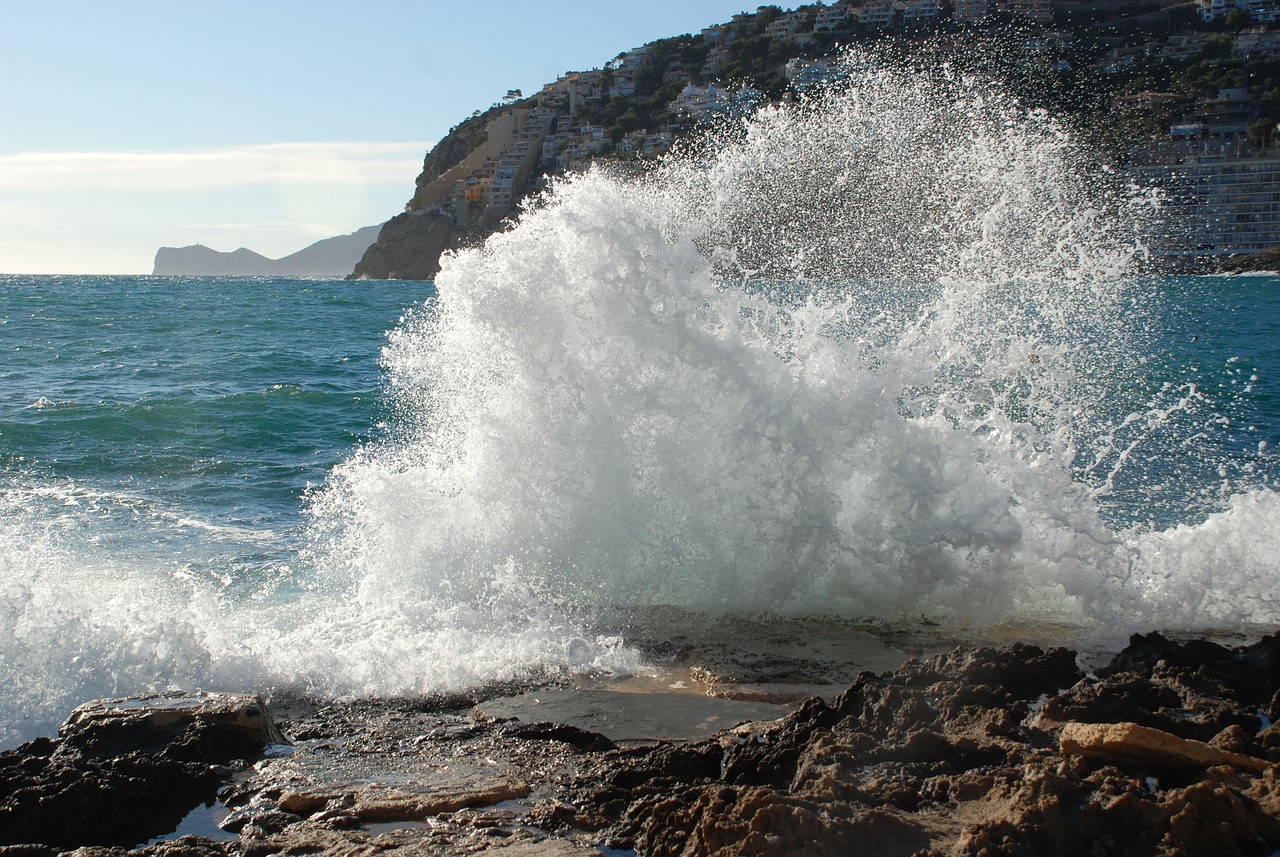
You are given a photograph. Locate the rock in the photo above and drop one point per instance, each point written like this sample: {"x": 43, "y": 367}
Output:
{"x": 631, "y": 717}
{"x": 374, "y": 803}
{"x": 968, "y": 752}
{"x": 125, "y": 770}
{"x": 409, "y": 247}
{"x": 1194, "y": 690}
{"x": 951, "y": 755}
{"x": 564, "y": 733}
{"x": 204, "y": 727}
{"x": 1130, "y": 743}
{"x": 1266, "y": 261}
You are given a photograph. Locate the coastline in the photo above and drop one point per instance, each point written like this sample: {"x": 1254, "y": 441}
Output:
{"x": 1168, "y": 748}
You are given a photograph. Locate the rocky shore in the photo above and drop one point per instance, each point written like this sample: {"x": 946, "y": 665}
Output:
{"x": 1168, "y": 749}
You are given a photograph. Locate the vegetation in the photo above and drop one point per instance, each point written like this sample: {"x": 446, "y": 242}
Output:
{"x": 1077, "y": 69}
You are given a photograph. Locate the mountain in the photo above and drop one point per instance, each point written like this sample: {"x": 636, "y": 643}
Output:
{"x": 331, "y": 257}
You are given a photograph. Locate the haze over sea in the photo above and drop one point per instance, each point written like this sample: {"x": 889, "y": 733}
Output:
{"x": 881, "y": 356}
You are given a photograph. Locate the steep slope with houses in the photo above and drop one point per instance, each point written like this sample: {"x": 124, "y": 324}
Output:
{"x": 1135, "y": 73}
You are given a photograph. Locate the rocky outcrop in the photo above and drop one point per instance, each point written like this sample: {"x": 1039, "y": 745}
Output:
{"x": 331, "y": 257}
{"x": 979, "y": 751}
{"x": 1168, "y": 750}
{"x": 1267, "y": 261}
{"x": 124, "y": 770}
{"x": 408, "y": 248}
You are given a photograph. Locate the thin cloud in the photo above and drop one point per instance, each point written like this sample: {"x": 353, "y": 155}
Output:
{"x": 314, "y": 164}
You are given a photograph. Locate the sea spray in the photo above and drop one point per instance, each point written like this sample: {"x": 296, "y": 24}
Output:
{"x": 861, "y": 356}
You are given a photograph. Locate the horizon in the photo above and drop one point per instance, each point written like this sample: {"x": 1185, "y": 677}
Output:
{"x": 152, "y": 126}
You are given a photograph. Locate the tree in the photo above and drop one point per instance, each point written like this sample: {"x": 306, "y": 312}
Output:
{"x": 1238, "y": 19}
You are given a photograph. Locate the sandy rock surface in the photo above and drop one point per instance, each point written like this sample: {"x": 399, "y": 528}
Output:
{"x": 1167, "y": 750}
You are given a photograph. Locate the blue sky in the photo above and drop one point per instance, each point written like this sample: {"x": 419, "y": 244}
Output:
{"x": 125, "y": 126}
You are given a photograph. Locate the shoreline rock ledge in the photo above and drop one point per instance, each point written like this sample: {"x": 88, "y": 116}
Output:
{"x": 122, "y": 771}
{"x": 1172, "y": 749}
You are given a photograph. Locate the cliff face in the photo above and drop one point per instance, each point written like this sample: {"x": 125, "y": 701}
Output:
{"x": 438, "y": 218}
{"x": 408, "y": 248}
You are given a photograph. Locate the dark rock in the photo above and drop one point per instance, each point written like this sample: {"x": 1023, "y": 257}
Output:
{"x": 1267, "y": 260}
{"x": 958, "y": 754}
{"x": 973, "y": 751}
{"x": 409, "y": 247}
{"x": 572, "y": 735}
{"x": 124, "y": 771}
{"x": 1193, "y": 690}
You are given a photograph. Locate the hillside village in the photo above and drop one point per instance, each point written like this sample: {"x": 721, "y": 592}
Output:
{"x": 1183, "y": 95}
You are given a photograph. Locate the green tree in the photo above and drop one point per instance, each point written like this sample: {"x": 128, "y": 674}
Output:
{"x": 1238, "y": 19}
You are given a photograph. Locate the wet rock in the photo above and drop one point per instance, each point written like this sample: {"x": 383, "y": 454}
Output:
{"x": 971, "y": 751}
{"x": 628, "y": 718}
{"x": 572, "y": 735}
{"x": 374, "y": 803}
{"x": 962, "y": 753}
{"x": 203, "y": 727}
{"x": 123, "y": 771}
{"x": 1195, "y": 690}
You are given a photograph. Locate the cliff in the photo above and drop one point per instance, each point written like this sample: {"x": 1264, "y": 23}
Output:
{"x": 408, "y": 248}
{"x": 331, "y": 257}
{"x": 1085, "y": 62}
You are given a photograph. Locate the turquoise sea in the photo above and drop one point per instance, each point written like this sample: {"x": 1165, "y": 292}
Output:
{"x": 884, "y": 356}
{"x": 178, "y": 423}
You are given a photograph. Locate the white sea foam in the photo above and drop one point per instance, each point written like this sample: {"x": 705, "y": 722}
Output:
{"x": 878, "y": 354}
{"x": 80, "y": 623}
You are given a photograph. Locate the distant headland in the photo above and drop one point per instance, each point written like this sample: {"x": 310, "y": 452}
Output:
{"x": 331, "y": 257}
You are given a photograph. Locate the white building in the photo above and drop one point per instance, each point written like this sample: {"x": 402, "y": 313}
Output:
{"x": 1214, "y": 203}
{"x": 697, "y": 100}
{"x": 829, "y": 18}
{"x": 804, "y": 73}
{"x": 920, "y": 13}
{"x": 976, "y": 11}
{"x": 1258, "y": 43}
{"x": 878, "y": 13}
{"x": 1263, "y": 11}
{"x": 786, "y": 24}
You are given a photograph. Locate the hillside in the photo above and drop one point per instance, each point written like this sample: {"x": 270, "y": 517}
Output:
{"x": 330, "y": 257}
{"x": 1131, "y": 75}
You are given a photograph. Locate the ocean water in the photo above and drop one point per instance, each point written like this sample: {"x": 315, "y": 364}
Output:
{"x": 885, "y": 355}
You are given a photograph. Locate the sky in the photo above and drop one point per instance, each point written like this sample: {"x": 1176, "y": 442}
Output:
{"x": 130, "y": 125}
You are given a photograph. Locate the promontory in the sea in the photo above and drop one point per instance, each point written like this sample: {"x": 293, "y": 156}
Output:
{"x": 331, "y": 257}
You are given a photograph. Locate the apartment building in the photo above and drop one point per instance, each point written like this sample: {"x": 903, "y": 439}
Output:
{"x": 1260, "y": 10}
{"x": 805, "y": 73}
{"x": 700, "y": 101}
{"x": 1218, "y": 195}
{"x": 1214, "y": 201}
{"x": 977, "y": 11}
{"x": 920, "y": 13}
{"x": 786, "y": 24}
{"x": 877, "y": 13}
{"x": 829, "y": 18}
